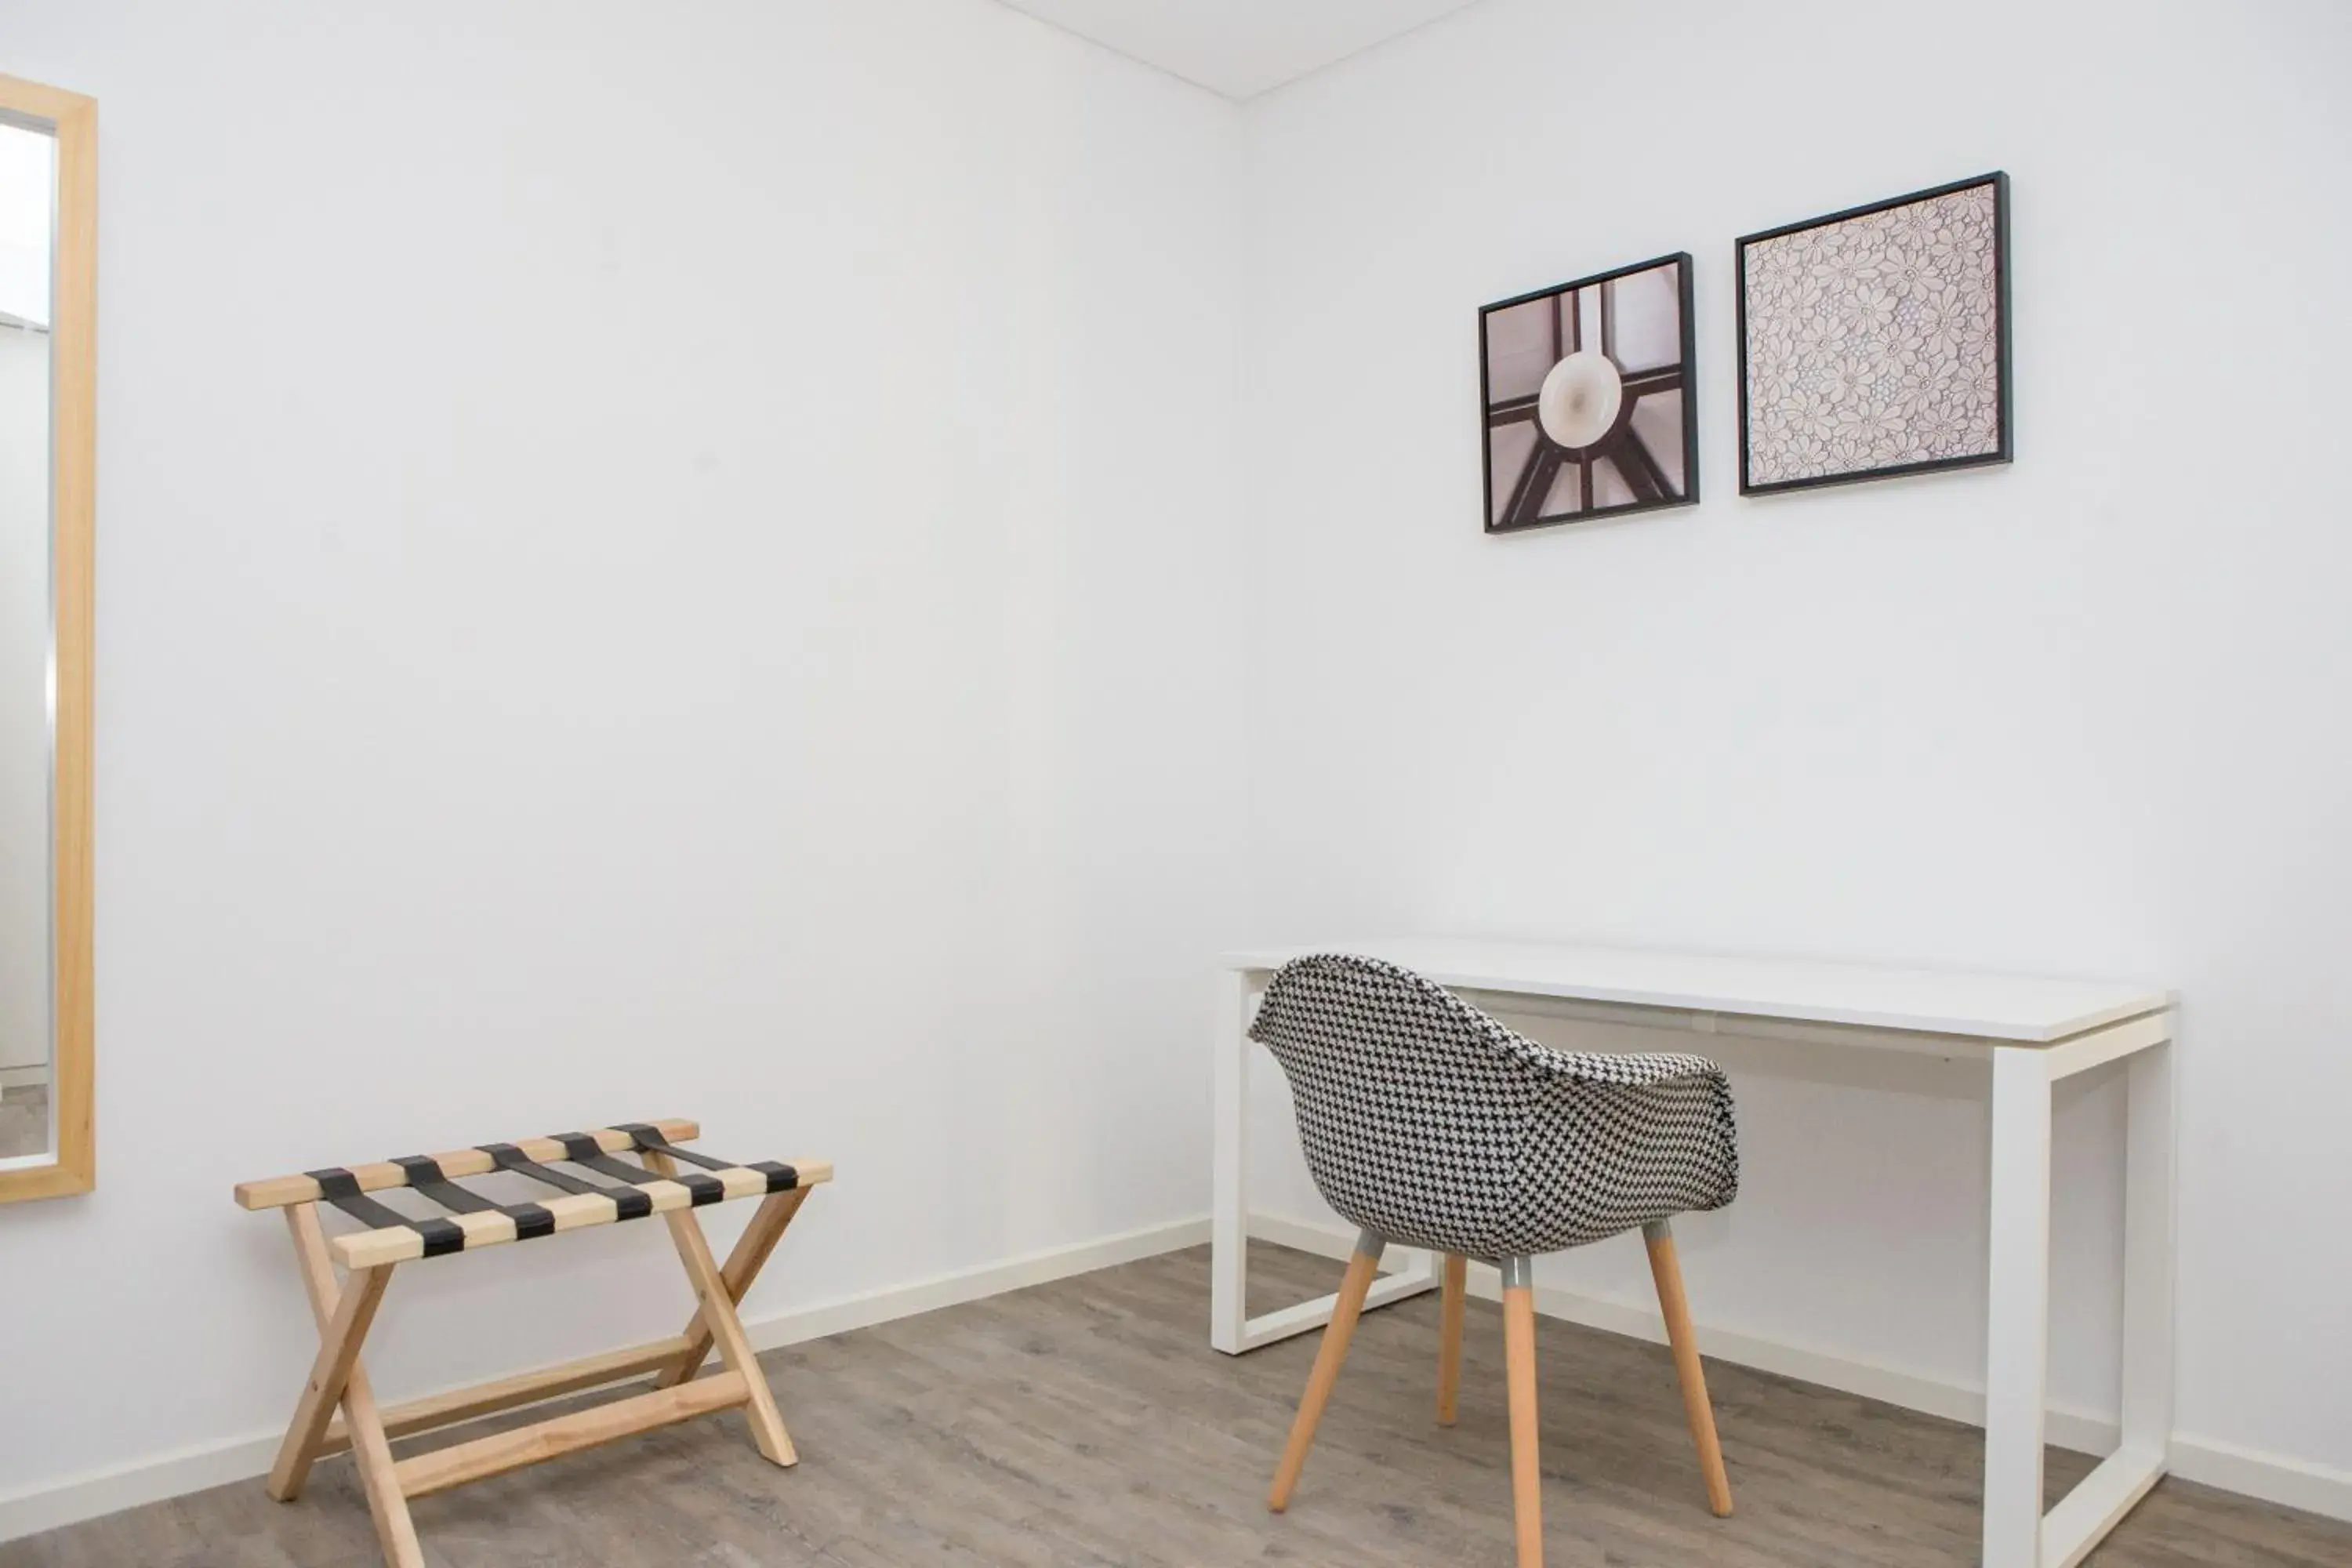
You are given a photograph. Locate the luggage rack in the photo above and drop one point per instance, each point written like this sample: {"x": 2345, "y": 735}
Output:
{"x": 667, "y": 1180}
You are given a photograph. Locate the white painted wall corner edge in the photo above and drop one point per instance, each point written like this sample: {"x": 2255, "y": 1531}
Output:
{"x": 2267, "y": 1476}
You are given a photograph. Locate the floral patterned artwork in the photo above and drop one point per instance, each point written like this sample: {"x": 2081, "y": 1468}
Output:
{"x": 1875, "y": 342}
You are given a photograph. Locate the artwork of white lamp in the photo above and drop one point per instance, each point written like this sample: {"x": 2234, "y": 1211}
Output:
{"x": 1586, "y": 397}
{"x": 1580, "y": 399}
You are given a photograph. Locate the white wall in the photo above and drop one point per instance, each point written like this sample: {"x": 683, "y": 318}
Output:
{"x": 683, "y": 560}
{"x": 2082, "y": 715}
{"x": 24, "y": 701}
{"x": 653, "y": 559}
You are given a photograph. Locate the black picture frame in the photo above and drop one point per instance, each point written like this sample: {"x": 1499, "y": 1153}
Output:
{"x": 1642, "y": 472}
{"x": 2005, "y": 449}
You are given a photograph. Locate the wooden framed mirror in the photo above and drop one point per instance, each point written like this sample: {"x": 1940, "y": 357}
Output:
{"x": 49, "y": 364}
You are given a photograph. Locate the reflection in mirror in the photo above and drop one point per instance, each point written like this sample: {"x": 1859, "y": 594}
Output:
{"x": 28, "y": 205}
{"x": 48, "y": 472}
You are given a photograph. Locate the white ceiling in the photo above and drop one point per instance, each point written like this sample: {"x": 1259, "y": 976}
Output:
{"x": 1238, "y": 48}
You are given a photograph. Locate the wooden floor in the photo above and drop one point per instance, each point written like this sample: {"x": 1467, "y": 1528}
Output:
{"x": 1088, "y": 1422}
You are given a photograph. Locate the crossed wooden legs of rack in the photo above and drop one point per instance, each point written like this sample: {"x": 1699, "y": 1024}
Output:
{"x": 346, "y": 1311}
{"x": 1519, "y": 1360}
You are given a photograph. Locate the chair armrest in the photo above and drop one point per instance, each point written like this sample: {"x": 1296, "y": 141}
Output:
{"x": 1617, "y": 1140}
{"x": 1636, "y": 1070}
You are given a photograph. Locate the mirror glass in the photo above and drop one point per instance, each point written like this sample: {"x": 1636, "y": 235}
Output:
{"x": 28, "y": 166}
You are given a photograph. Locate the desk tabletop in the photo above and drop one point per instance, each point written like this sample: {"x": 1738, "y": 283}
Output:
{"x": 1929, "y": 1001}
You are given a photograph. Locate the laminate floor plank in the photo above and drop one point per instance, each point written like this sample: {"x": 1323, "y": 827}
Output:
{"x": 1088, "y": 1421}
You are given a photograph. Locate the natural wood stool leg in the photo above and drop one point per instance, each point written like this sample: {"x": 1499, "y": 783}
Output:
{"x": 1449, "y": 1335}
{"x": 726, "y": 1333}
{"x": 1520, "y": 1366}
{"x": 370, "y": 1449}
{"x": 1345, "y": 1310}
{"x": 339, "y": 1347}
{"x": 1666, "y": 1269}
{"x": 744, "y": 1265}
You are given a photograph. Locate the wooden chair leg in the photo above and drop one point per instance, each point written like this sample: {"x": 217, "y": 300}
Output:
{"x": 1520, "y": 1366}
{"x": 1449, "y": 1335}
{"x": 727, "y": 1331}
{"x": 1336, "y": 1335}
{"x": 1665, "y": 1268}
{"x": 371, "y": 1449}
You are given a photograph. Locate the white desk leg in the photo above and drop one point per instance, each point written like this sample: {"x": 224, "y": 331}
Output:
{"x": 1237, "y": 992}
{"x": 2147, "y": 1256}
{"x": 1231, "y": 1328}
{"x": 2101, "y": 1498}
{"x": 2017, "y": 1337}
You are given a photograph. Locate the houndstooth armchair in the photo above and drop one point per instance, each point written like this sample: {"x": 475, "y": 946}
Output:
{"x": 1428, "y": 1124}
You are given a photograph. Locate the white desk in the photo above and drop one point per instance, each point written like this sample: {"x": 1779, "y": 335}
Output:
{"x": 2031, "y": 1033}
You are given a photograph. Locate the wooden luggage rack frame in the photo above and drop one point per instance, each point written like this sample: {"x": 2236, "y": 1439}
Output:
{"x": 661, "y": 1184}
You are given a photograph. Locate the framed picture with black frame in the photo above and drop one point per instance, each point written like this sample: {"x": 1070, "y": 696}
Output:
{"x": 1876, "y": 341}
{"x": 1588, "y": 398}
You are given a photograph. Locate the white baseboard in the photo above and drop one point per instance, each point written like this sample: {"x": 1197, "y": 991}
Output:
{"x": 172, "y": 1473}
{"x": 971, "y": 1285}
{"x": 47, "y": 1505}
{"x": 2273, "y": 1478}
